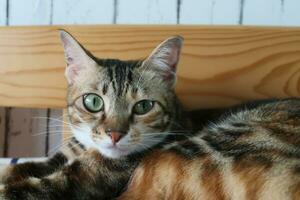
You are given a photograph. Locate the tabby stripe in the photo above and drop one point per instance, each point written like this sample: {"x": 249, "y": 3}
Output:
{"x": 104, "y": 89}
{"x": 252, "y": 174}
{"x": 284, "y": 135}
{"x": 212, "y": 180}
{"x": 128, "y": 80}
{"x": 296, "y": 191}
{"x": 111, "y": 76}
{"x": 36, "y": 169}
{"x": 188, "y": 149}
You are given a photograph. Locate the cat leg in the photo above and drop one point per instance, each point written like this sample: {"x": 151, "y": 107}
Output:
{"x": 89, "y": 177}
{"x": 4, "y": 170}
{"x": 18, "y": 172}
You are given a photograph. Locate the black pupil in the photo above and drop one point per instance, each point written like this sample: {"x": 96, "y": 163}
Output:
{"x": 143, "y": 107}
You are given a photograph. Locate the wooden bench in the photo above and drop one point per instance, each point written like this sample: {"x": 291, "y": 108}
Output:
{"x": 220, "y": 65}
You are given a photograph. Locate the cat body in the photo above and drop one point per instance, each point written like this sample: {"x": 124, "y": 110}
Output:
{"x": 250, "y": 154}
{"x": 133, "y": 140}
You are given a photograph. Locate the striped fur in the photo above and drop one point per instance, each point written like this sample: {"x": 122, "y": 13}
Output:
{"x": 249, "y": 152}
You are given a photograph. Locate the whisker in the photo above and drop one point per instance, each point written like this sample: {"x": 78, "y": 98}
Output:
{"x": 51, "y": 133}
{"x": 54, "y": 119}
{"x": 63, "y": 144}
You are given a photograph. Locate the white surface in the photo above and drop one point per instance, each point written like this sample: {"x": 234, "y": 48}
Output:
{"x": 266, "y": 12}
{"x": 7, "y": 161}
{"x": 83, "y": 11}
{"x": 291, "y": 12}
{"x": 147, "y": 11}
{"x": 2, "y": 12}
{"x": 210, "y": 12}
{"x": 33, "y": 12}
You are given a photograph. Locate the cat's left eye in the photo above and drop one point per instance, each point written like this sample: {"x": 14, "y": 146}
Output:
{"x": 143, "y": 107}
{"x": 93, "y": 102}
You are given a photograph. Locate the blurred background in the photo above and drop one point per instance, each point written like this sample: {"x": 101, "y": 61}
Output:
{"x": 37, "y": 132}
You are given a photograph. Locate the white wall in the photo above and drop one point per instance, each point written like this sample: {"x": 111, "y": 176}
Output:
{"x": 19, "y": 124}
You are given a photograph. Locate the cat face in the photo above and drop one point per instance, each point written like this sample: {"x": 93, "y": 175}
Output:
{"x": 121, "y": 107}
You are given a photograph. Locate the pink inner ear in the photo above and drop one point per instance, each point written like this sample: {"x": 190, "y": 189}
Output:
{"x": 173, "y": 58}
{"x": 72, "y": 72}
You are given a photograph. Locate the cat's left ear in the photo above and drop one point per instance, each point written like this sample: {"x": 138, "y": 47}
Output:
{"x": 164, "y": 59}
{"x": 77, "y": 57}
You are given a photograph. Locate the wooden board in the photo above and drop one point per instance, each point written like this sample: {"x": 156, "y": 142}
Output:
{"x": 220, "y": 66}
{"x": 26, "y": 129}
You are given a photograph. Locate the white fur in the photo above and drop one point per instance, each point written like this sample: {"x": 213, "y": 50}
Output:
{"x": 105, "y": 146}
{"x": 82, "y": 134}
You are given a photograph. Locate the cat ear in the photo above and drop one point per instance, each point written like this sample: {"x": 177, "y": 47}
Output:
{"x": 164, "y": 59}
{"x": 76, "y": 56}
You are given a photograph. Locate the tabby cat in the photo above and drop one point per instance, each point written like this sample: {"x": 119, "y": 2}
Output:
{"x": 133, "y": 141}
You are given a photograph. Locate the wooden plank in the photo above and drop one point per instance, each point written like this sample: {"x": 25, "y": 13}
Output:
{"x": 2, "y": 131}
{"x": 24, "y": 143}
{"x": 3, "y": 21}
{"x": 220, "y": 66}
{"x": 267, "y": 12}
{"x": 83, "y": 11}
{"x": 56, "y": 130}
{"x": 209, "y": 12}
{"x": 33, "y": 12}
{"x": 146, "y": 11}
{"x": 27, "y": 132}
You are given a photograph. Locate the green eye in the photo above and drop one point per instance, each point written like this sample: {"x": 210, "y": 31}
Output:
{"x": 142, "y": 107}
{"x": 93, "y": 103}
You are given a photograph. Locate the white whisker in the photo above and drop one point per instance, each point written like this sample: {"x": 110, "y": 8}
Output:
{"x": 63, "y": 144}
{"x": 51, "y": 133}
{"x": 54, "y": 119}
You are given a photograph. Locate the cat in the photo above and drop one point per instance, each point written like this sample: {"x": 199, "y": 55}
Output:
{"x": 133, "y": 140}
{"x": 111, "y": 104}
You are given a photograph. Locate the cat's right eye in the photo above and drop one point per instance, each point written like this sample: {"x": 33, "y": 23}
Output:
{"x": 93, "y": 103}
{"x": 142, "y": 107}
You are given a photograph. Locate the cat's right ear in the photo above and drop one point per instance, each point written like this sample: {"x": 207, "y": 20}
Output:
{"x": 164, "y": 59}
{"x": 76, "y": 57}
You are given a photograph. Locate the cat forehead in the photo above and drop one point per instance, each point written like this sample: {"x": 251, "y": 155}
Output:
{"x": 118, "y": 71}
{"x": 120, "y": 75}
{"x": 109, "y": 63}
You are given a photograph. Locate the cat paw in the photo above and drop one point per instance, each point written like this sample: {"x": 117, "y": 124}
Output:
{"x": 4, "y": 173}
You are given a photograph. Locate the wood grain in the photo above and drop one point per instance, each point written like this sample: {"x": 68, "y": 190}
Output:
{"x": 220, "y": 66}
{"x": 27, "y": 128}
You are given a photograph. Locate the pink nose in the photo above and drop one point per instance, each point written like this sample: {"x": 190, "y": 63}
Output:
{"x": 115, "y": 136}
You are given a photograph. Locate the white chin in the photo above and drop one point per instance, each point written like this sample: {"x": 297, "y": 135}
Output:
{"x": 113, "y": 152}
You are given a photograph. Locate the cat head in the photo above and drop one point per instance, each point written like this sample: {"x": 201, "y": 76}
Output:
{"x": 121, "y": 107}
